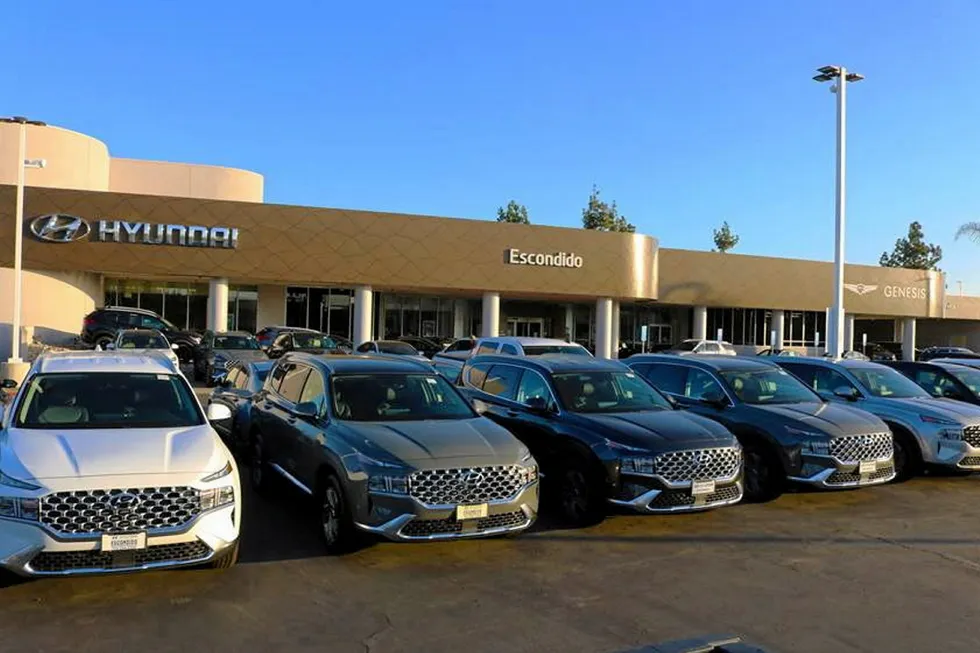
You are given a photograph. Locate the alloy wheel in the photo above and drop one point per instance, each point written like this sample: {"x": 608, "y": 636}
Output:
{"x": 756, "y": 474}
{"x": 575, "y": 494}
{"x": 330, "y": 515}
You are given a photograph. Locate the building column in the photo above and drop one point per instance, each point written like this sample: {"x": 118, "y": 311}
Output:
{"x": 778, "y": 327}
{"x": 218, "y": 305}
{"x": 569, "y": 334}
{"x": 908, "y": 339}
{"x": 848, "y": 332}
{"x": 614, "y": 341}
{"x": 491, "y": 314}
{"x": 699, "y": 330}
{"x": 460, "y": 315}
{"x": 603, "y": 327}
{"x": 363, "y": 307}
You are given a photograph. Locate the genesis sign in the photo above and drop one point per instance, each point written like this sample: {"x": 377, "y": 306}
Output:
{"x": 556, "y": 260}
{"x": 61, "y": 228}
{"x": 891, "y": 292}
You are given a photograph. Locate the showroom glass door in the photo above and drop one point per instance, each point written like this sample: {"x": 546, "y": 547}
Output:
{"x": 525, "y": 327}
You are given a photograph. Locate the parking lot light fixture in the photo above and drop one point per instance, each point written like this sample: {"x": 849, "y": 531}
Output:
{"x": 841, "y": 77}
{"x": 22, "y": 164}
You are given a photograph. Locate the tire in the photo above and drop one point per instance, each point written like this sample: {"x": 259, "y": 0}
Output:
{"x": 208, "y": 377}
{"x": 578, "y": 493}
{"x": 259, "y": 474}
{"x": 763, "y": 478}
{"x": 908, "y": 456}
{"x": 336, "y": 526}
{"x": 102, "y": 341}
{"x": 227, "y": 559}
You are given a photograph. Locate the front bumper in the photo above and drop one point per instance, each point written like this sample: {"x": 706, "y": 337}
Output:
{"x": 28, "y": 549}
{"x": 957, "y": 454}
{"x": 402, "y": 518}
{"x": 826, "y": 472}
{"x": 645, "y": 495}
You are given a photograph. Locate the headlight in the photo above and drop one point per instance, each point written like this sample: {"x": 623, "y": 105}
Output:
{"x": 217, "y": 496}
{"x": 951, "y": 434}
{"x": 384, "y": 476}
{"x": 638, "y": 465}
{"x": 19, "y": 508}
{"x": 10, "y": 481}
{"x": 388, "y": 484}
{"x": 224, "y": 471}
{"x": 811, "y": 441}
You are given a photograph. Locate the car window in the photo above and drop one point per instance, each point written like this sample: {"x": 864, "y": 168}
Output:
{"x": 235, "y": 342}
{"x": 150, "y": 322}
{"x": 701, "y": 385}
{"x": 767, "y": 386}
{"x": 666, "y": 378}
{"x": 532, "y": 385}
{"x": 710, "y": 348}
{"x": 241, "y": 381}
{"x": 282, "y": 341}
{"x": 313, "y": 341}
{"x": 509, "y": 349}
{"x": 886, "y": 382}
{"x": 608, "y": 392}
{"x": 477, "y": 374}
{"x": 461, "y": 345}
{"x": 726, "y": 348}
{"x": 396, "y": 348}
{"x": 232, "y": 376}
{"x": 804, "y": 373}
{"x": 487, "y": 348}
{"x": 365, "y": 347}
{"x": 292, "y": 382}
{"x": 107, "y": 400}
{"x": 396, "y": 397}
{"x": 314, "y": 392}
{"x": 502, "y": 381}
{"x": 275, "y": 378}
{"x": 932, "y": 382}
{"x": 828, "y": 380}
{"x": 969, "y": 377}
{"x": 688, "y": 345}
{"x": 540, "y": 350}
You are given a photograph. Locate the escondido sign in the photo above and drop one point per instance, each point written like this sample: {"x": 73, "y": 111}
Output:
{"x": 556, "y": 260}
{"x": 61, "y": 228}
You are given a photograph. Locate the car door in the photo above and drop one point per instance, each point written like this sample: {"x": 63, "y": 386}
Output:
{"x": 285, "y": 425}
{"x": 310, "y": 432}
{"x": 224, "y": 395}
{"x": 235, "y": 393}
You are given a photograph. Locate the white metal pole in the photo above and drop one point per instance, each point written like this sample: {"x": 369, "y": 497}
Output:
{"x": 837, "y": 326}
{"x": 18, "y": 245}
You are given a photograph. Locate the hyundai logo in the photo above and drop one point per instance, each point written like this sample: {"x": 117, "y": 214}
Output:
{"x": 704, "y": 458}
{"x": 59, "y": 228}
{"x": 124, "y": 502}
{"x": 470, "y": 480}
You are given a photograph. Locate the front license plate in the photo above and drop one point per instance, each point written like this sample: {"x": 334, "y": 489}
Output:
{"x": 124, "y": 542}
{"x": 702, "y": 487}
{"x": 479, "y": 511}
{"x": 867, "y": 467}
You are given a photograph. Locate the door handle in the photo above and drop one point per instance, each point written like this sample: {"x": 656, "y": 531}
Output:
{"x": 512, "y": 413}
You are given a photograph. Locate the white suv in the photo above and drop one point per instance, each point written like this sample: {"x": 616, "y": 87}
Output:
{"x": 108, "y": 463}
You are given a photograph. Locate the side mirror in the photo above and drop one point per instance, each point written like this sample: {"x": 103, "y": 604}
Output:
{"x": 306, "y": 410}
{"x": 538, "y": 405}
{"x": 846, "y": 392}
{"x": 715, "y": 399}
{"x": 175, "y": 347}
{"x": 218, "y": 413}
{"x": 480, "y": 406}
{"x": 8, "y": 384}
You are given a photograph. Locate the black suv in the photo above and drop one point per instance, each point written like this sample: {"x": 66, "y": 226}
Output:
{"x": 387, "y": 446}
{"x": 213, "y": 357}
{"x": 787, "y": 430}
{"x": 100, "y": 327}
{"x": 604, "y": 435}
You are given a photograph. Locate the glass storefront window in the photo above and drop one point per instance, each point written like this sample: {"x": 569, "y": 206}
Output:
{"x": 243, "y": 302}
{"x": 324, "y": 309}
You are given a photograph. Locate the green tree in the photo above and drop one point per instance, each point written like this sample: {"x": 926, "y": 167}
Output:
{"x": 725, "y": 238}
{"x": 513, "y": 212}
{"x": 604, "y": 217}
{"x": 914, "y": 252}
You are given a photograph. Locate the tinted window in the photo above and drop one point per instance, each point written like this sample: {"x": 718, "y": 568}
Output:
{"x": 142, "y": 341}
{"x": 397, "y": 348}
{"x": 314, "y": 391}
{"x": 540, "y": 350}
{"x": 886, "y": 382}
{"x": 532, "y": 385}
{"x": 828, "y": 380}
{"x": 232, "y": 376}
{"x": 487, "y": 348}
{"x": 477, "y": 374}
{"x": 502, "y": 381}
{"x": 282, "y": 341}
{"x": 607, "y": 392}
{"x": 313, "y": 341}
{"x": 969, "y": 377}
{"x": 931, "y": 381}
{"x": 241, "y": 381}
{"x": 701, "y": 385}
{"x": 275, "y": 378}
{"x": 292, "y": 382}
{"x": 768, "y": 386}
{"x": 688, "y": 345}
{"x": 509, "y": 349}
{"x": 461, "y": 345}
{"x": 804, "y": 372}
{"x": 235, "y": 342}
{"x": 710, "y": 348}
{"x": 367, "y": 346}
{"x": 396, "y": 397}
{"x": 106, "y": 400}
{"x": 150, "y": 322}
{"x": 667, "y": 378}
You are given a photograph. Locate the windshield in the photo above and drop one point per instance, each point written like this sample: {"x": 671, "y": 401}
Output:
{"x": 142, "y": 341}
{"x": 394, "y": 347}
{"x": 769, "y": 386}
{"x": 396, "y": 397}
{"x": 313, "y": 341}
{"x": 886, "y": 382}
{"x": 540, "y": 350}
{"x": 607, "y": 392}
{"x": 969, "y": 377}
{"x": 235, "y": 342}
{"x": 106, "y": 400}
{"x": 688, "y": 345}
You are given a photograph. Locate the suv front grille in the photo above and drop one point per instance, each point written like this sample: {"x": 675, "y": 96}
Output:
{"x": 427, "y": 527}
{"x": 682, "y": 498}
{"x": 90, "y": 512}
{"x": 445, "y": 487}
{"x": 971, "y": 435}
{"x": 850, "y": 478}
{"x": 64, "y": 561}
{"x": 698, "y": 465}
{"x": 855, "y": 448}
{"x": 970, "y": 462}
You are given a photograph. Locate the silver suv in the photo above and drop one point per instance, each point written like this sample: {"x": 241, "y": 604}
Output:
{"x": 927, "y": 430}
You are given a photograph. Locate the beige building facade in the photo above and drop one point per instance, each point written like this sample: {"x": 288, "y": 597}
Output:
{"x": 198, "y": 245}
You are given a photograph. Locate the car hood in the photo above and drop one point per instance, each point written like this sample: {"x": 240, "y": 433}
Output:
{"x": 241, "y": 354}
{"x": 419, "y": 442}
{"x": 934, "y": 407}
{"x": 830, "y": 418}
{"x": 658, "y": 430}
{"x": 29, "y": 454}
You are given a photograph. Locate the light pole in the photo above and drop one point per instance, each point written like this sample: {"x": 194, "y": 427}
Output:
{"x": 22, "y": 164}
{"x": 826, "y": 74}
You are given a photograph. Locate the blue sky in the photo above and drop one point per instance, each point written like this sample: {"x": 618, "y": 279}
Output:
{"x": 685, "y": 113}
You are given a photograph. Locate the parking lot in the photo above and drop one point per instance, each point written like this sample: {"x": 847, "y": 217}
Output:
{"x": 888, "y": 569}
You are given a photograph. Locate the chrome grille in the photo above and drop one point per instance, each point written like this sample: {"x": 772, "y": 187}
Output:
{"x": 855, "y": 448}
{"x": 970, "y": 462}
{"x": 87, "y": 512}
{"x": 880, "y": 475}
{"x": 429, "y": 527}
{"x": 698, "y": 464}
{"x": 63, "y": 561}
{"x": 971, "y": 435}
{"x": 680, "y": 498}
{"x": 445, "y": 487}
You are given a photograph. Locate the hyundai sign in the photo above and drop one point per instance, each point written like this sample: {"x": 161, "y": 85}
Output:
{"x": 62, "y": 228}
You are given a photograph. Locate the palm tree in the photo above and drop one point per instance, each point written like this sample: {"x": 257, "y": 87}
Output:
{"x": 971, "y": 230}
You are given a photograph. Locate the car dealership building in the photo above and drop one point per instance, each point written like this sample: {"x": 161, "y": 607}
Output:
{"x": 198, "y": 245}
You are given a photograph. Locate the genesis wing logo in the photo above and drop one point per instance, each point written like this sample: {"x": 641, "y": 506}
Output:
{"x": 860, "y": 288}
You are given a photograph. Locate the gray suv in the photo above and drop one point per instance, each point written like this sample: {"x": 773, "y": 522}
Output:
{"x": 927, "y": 430}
